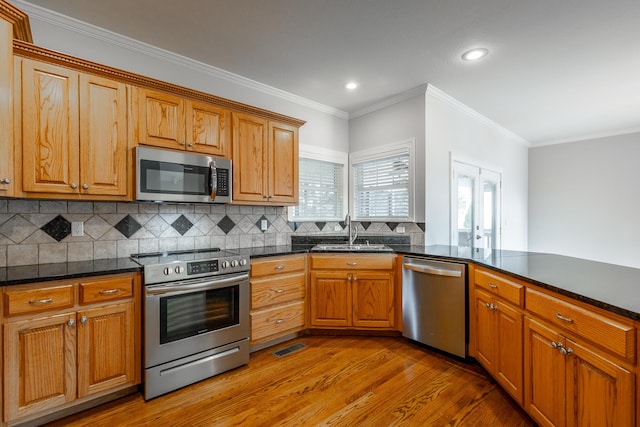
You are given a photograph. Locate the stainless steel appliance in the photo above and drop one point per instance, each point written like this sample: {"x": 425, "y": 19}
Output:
{"x": 172, "y": 176}
{"x": 434, "y": 304}
{"x": 196, "y": 317}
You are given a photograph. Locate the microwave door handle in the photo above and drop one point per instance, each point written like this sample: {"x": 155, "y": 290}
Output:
{"x": 213, "y": 179}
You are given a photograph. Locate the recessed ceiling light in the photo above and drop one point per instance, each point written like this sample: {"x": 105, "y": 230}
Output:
{"x": 351, "y": 85}
{"x": 475, "y": 54}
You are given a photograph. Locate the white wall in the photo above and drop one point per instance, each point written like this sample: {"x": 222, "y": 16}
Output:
{"x": 325, "y": 126}
{"x": 453, "y": 129}
{"x": 395, "y": 123}
{"x": 584, "y": 199}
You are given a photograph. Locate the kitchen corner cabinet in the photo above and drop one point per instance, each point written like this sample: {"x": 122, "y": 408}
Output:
{"x": 73, "y": 133}
{"x": 278, "y": 288}
{"x": 7, "y": 180}
{"x": 68, "y": 342}
{"x": 499, "y": 326}
{"x": 352, "y": 291}
{"x": 170, "y": 121}
{"x": 265, "y": 161}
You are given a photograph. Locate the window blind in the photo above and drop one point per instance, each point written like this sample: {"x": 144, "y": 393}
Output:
{"x": 382, "y": 188}
{"x": 320, "y": 191}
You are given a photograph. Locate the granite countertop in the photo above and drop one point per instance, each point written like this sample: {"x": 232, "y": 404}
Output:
{"x": 611, "y": 287}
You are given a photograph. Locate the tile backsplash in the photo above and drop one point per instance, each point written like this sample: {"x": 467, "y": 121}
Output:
{"x": 40, "y": 231}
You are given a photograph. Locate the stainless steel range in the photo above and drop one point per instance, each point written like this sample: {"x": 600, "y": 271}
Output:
{"x": 196, "y": 316}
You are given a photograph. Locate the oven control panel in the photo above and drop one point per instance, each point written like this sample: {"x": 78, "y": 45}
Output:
{"x": 180, "y": 270}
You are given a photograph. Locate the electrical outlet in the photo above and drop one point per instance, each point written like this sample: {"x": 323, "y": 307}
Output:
{"x": 77, "y": 229}
{"x": 263, "y": 225}
{"x": 400, "y": 229}
{"x": 337, "y": 228}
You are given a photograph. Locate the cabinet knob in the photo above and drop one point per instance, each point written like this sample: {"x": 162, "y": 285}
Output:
{"x": 280, "y": 321}
{"x": 553, "y": 344}
{"x": 182, "y": 143}
{"x": 74, "y": 185}
{"x": 5, "y": 181}
{"x": 83, "y": 319}
{"x": 71, "y": 322}
{"x": 279, "y": 291}
{"x": 85, "y": 186}
{"x": 191, "y": 144}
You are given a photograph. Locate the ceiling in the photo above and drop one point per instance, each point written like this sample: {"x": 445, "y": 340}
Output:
{"x": 557, "y": 70}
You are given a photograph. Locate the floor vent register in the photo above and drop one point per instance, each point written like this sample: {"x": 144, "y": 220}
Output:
{"x": 289, "y": 349}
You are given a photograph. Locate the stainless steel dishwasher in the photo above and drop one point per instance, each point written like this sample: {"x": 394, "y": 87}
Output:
{"x": 434, "y": 304}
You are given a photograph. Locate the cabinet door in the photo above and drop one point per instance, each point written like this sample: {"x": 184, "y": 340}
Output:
{"x": 208, "y": 128}
{"x": 160, "y": 119}
{"x": 39, "y": 364}
{"x": 486, "y": 333}
{"x": 249, "y": 158}
{"x": 103, "y": 136}
{"x": 106, "y": 354}
{"x": 544, "y": 395}
{"x": 283, "y": 164}
{"x": 330, "y": 299}
{"x": 509, "y": 349}
{"x": 599, "y": 392}
{"x": 6, "y": 109}
{"x": 50, "y": 135}
{"x": 373, "y": 299}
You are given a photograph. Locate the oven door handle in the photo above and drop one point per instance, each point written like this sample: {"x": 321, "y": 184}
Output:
{"x": 200, "y": 286}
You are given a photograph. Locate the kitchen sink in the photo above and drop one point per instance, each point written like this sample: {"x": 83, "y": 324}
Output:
{"x": 345, "y": 247}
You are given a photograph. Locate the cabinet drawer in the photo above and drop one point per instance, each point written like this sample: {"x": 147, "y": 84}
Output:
{"x": 106, "y": 290}
{"x": 501, "y": 286}
{"x": 22, "y": 301}
{"x": 287, "y": 318}
{"x": 277, "y": 265}
{"x": 270, "y": 291}
{"x": 352, "y": 262}
{"x": 615, "y": 337}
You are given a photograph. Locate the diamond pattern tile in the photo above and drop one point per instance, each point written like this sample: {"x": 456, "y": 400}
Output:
{"x": 365, "y": 225}
{"x": 392, "y": 225}
{"x": 259, "y": 223}
{"x": 182, "y": 224}
{"x": 127, "y": 226}
{"x": 320, "y": 225}
{"x": 294, "y": 225}
{"x": 58, "y": 228}
{"x": 226, "y": 224}
{"x": 421, "y": 225}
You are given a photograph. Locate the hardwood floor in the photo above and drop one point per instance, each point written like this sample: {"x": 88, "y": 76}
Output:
{"x": 337, "y": 381}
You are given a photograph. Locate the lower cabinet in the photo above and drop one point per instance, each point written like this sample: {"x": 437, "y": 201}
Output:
{"x": 569, "y": 383}
{"x": 352, "y": 291}
{"x": 53, "y": 356}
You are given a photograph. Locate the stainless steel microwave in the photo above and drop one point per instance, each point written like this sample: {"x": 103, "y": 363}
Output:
{"x": 172, "y": 176}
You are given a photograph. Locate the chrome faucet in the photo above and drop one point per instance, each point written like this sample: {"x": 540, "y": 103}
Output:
{"x": 353, "y": 231}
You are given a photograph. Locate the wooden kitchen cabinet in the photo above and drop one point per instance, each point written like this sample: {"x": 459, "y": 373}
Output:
{"x": 7, "y": 180}
{"x": 170, "y": 121}
{"x": 68, "y": 342}
{"x": 278, "y": 288}
{"x": 73, "y": 136}
{"x": 352, "y": 291}
{"x": 265, "y": 161}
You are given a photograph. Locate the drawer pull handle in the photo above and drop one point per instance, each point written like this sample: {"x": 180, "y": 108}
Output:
{"x": 279, "y": 291}
{"x": 107, "y": 291}
{"x": 491, "y": 285}
{"x": 41, "y": 301}
{"x": 279, "y": 267}
{"x": 564, "y": 319}
{"x": 279, "y": 321}
{"x": 352, "y": 263}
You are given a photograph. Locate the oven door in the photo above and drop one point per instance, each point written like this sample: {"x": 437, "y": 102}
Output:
{"x": 187, "y": 317}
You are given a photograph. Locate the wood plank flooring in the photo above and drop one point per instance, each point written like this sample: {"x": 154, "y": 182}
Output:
{"x": 334, "y": 381}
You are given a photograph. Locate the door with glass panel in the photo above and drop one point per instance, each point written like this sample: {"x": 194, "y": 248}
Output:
{"x": 475, "y": 207}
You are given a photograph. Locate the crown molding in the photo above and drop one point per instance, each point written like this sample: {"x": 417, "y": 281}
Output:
{"x": 387, "y": 102}
{"x": 19, "y": 20}
{"x": 587, "y": 137}
{"x": 56, "y": 19}
{"x": 438, "y": 94}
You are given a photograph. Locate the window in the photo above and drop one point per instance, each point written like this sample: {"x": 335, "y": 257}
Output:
{"x": 322, "y": 187}
{"x": 382, "y": 183}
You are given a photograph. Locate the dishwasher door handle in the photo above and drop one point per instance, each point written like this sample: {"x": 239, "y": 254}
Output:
{"x": 432, "y": 270}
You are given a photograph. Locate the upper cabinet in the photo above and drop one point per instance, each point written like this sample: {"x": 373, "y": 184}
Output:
{"x": 73, "y": 137}
{"x": 265, "y": 161}
{"x": 170, "y": 121}
{"x": 7, "y": 181}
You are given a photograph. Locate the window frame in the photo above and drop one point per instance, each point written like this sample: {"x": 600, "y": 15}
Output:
{"x": 408, "y": 147}
{"x": 331, "y": 156}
